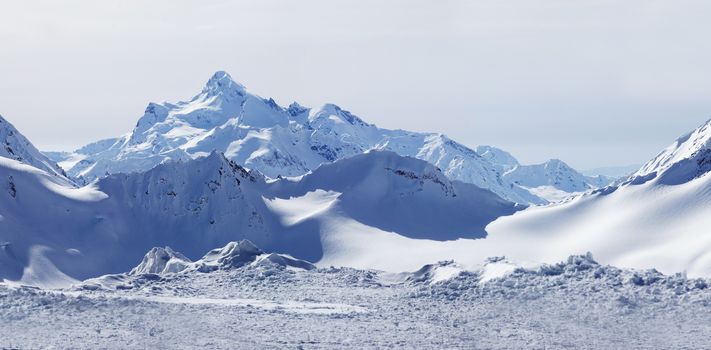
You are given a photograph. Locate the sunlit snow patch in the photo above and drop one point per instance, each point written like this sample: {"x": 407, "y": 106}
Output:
{"x": 496, "y": 268}
{"x": 41, "y": 272}
{"x": 296, "y": 209}
{"x": 88, "y": 193}
{"x": 551, "y": 193}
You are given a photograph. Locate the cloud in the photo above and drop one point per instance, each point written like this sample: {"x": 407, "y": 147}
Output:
{"x": 544, "y": 79}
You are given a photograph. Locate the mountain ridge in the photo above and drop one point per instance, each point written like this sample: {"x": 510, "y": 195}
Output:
{"x": 259, "y": 134}
{"x": 14, "y": 145}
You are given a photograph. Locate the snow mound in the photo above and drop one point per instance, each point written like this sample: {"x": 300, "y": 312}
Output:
{"x": 234, "y": 254}
{"x": 161, "y": 264}
{"x": 161, "y": 261}
{"x": 434, "y": 273}
{"x": 282, "y": 260}
{"x": 577, "y": 275}
{"x": 244, "y": 252}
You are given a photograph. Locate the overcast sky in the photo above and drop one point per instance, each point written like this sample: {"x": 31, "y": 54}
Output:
{"x": 595, "y": 83}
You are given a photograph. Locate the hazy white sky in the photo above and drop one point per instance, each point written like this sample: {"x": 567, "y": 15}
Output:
{"x": 594, "y": 83}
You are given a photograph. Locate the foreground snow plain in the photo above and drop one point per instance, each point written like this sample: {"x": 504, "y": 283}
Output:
{"x": 574, "y": 304}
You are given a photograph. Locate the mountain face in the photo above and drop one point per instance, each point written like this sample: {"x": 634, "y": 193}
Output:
{"x": 51, "y": 232}
{"x": 259, "y": 134}
{"x": 14, "y": 145}
{"x": 503, "y": 160}
{"x": 688, "y": 158}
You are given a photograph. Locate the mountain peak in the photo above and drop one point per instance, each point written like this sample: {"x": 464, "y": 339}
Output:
{"x": 498, "y": 157}
{"x": 222, "y": 83}
{"x": 16, "y": 146}
{"x": 557, "y": 163}
{"x": 687, "y": 158}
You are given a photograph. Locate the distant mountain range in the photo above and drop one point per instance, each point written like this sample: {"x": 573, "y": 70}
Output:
{"x": 259, "y": 134}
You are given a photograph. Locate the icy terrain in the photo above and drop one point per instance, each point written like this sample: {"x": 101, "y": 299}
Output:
{"x": 260, "y": 303}
{"x": 259, "y": 134}
{"x": 76, "y": 233}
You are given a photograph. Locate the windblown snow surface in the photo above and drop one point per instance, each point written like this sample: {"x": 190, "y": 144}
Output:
{"x": 246, "y": 301}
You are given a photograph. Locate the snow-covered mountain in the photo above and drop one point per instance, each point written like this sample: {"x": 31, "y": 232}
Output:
{"x": 52, "y": 232}
{"x": 659, "y": 217}
{"x": 688, "y": 158}
{"x": 14, "y": 145}
{"x": 553, "y": 180}
{"x": 259, "y": 134}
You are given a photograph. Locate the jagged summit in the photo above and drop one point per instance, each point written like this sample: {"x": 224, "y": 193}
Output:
{"x": 295, "y": 109}
{"x": 222, "y": 83}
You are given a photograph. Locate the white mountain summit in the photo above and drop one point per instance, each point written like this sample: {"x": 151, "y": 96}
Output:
{"x": 259, "y": 134}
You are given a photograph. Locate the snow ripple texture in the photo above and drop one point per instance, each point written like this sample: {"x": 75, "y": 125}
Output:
{"x": 574, "y": 304}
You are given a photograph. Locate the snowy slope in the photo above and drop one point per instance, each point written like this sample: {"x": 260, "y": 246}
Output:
{"x": 658, "y": 218}
{"x": 15, "y": 146}
{"x": 259, "y": 134}
{"x": 689, "y": 157}
{"x": 197, "y": 205}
